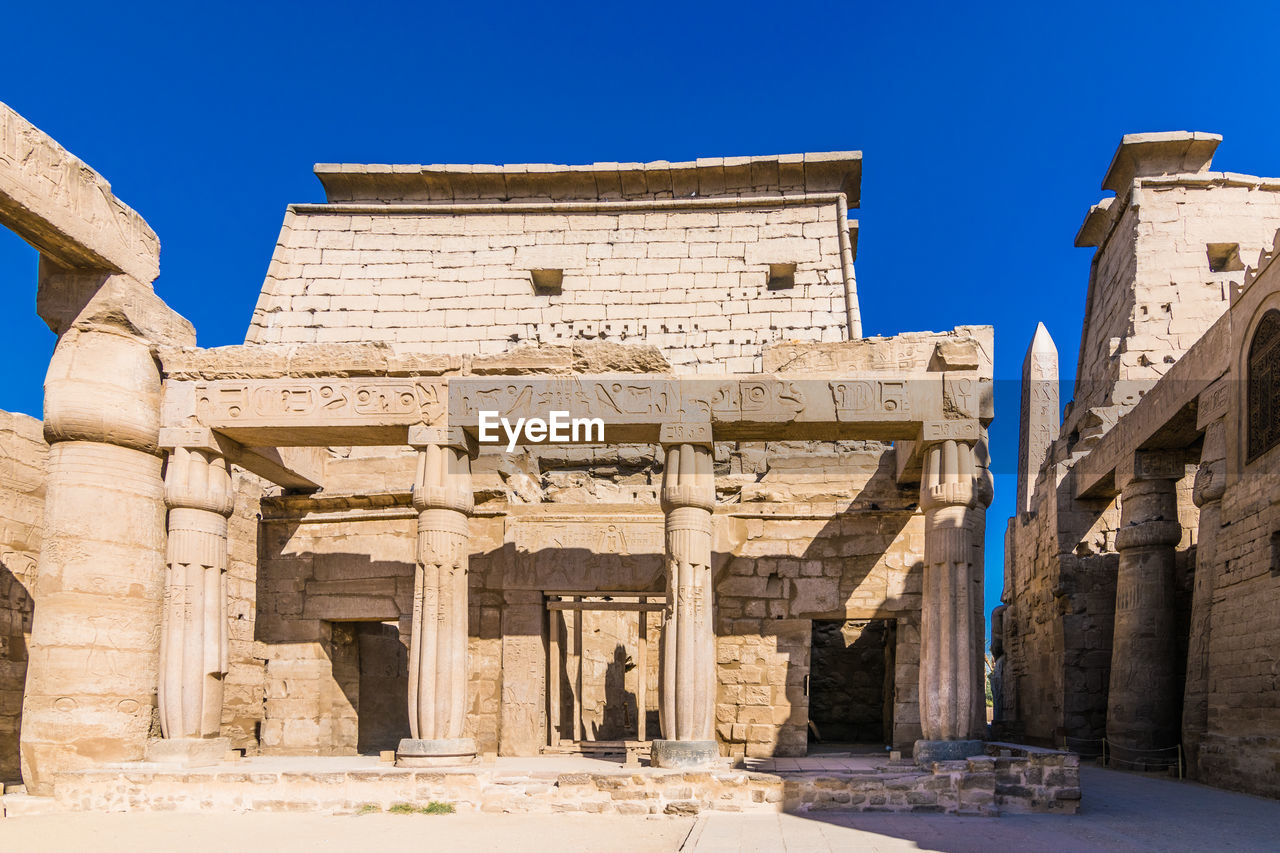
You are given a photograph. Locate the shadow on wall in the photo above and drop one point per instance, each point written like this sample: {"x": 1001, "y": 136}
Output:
{"x": 16, "y": 608}
{"x": 863, "y": 562}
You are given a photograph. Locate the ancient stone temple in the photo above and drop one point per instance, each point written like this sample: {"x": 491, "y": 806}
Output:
{"x": 514, "y": 461}
{"x": 1141, "y": 582}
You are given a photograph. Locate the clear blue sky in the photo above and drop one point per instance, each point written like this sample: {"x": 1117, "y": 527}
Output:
{"x": 985, "y": 129}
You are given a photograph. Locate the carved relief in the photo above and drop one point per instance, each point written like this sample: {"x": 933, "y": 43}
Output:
{"x": 870, "y": 399}
{"x": 282, "y": 401}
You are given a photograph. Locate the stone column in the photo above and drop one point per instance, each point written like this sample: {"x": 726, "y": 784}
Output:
{"x": 438, "y": 644}
{"x": 91, "y": 676}
{"x": 954, "y": 492}
{"x": 1143, "y": 704}
{"x": 1210, "y": 485}
{"x": 193, "y": 625}
{"x": 687, "y": 683}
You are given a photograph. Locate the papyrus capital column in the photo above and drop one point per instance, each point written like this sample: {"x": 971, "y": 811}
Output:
{"x": 1210, "y": 485}
{"x": 193, "y": 627}
{"x": 955, "y": 490}
{"x": 687, "y": 687}
{"x": 443, "y": 497}
{"x": 92, "y": 669}
{"x": 1143, "y": 701}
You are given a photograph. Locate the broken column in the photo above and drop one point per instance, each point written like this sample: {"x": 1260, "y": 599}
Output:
{"x": 955, "y": 490}
{"x": 687, "y": 685}
{"x": 1039, "y": 419}
{"x": 193, "y": 626}
{"x": 1210, "y": 486}
{"x": 438, "y": 645}
{"x": 1143, "y": 703}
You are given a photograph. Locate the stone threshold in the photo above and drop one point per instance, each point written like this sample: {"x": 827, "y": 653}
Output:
{"x": 1030, "y": 781}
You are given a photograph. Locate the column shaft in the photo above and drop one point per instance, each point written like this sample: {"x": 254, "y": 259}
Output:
{"x": 438, "y": 644}
{"x": 687, "y": 682}
{"x": 93, "y": 657}
{"x": 193, "y": 637}
{"x": 1143, "y": 704}
{"x": 954, "y": 493}
{"x": 1210, "y": 485}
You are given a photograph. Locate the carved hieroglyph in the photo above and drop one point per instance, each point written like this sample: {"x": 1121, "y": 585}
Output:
{"x": 1038, "y": 421}
{"x": 687, "y": 694}
{"x": 55, "y": 202}
{"x": 193, "y": 635}
{"x": 438, "y": 650}
{"x": 954, "y": 494}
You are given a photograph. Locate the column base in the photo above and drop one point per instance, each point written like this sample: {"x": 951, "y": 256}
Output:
{"x": 437, "y": 752}
{"x": 926, "y": 752}
{"x": 684, "y": 754}
{"x": 188, "y": 751}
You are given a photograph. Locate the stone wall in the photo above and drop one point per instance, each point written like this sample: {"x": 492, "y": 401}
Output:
{"x": 804, "y": 532}
{"x": 1152, "y": 290}
{"x": 245, "y": 681}
{"x": 1242, "y": 748}
{"x": 22, "y": 462}
{"x": 695, "y": 283}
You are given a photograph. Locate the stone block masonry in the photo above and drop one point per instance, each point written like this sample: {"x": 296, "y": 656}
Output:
{"x": 22, "y": 471}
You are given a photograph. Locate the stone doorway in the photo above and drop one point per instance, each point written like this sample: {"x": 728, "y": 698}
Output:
{"x": 602, "y": 668}
{"x": 371, "y": 665}
{"x": 851, "y": 682}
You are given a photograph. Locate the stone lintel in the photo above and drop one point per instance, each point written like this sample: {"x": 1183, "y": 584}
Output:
{"x": 883, "y": 406}
{"x": 1141, "y": 155}
{"x": 710, "y": 177}
{"x": 683, "y": 432}
{"x": 295, "y": 468}
{"x": 1165, "y": 417}
{"x": 964, "y": 349}
{"x": 65, "y": 209}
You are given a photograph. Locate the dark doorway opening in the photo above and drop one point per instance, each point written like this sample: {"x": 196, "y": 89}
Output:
{"x": 851, "y": 663}
{"x": 371, "y": 664}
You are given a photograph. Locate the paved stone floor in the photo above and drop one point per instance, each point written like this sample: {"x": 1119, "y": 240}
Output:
{"x": 1122, "y": 812}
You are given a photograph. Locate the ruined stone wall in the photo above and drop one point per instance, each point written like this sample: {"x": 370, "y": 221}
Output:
{"x": 1242, "y": 748}
{"x": 22, "y": 475}
{"x": 695, "y": 283}
{"x": 1152, "y": 291}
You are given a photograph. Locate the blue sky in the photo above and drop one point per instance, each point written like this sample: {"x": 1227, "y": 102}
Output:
{"x": 985, "y": 128}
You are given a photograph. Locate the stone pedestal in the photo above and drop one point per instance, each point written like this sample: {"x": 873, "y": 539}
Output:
{"x": 687, "y": 683}
{"x": 438, "y": 643}
{"x": 925, "y": 752}
{"x": 92, "y": 669}
{"x": 954, "y": 492}
{"x": 684, "y": 754}
{"x": 188, "y": 751}
{"x": 193, "y": 626}
{"x": 1143, "y": 704}
{"x": 435, "y": 752}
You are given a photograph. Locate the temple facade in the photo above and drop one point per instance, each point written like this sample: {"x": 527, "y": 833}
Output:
{"x": 313, "y": 544}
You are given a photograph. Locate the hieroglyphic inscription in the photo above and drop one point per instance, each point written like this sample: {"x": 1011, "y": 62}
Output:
{"x": 870, "y": 399}
{"x": 271, "y": 402}
{"x": 66, "y": 209}
{"x": 599, "y": 536}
